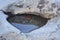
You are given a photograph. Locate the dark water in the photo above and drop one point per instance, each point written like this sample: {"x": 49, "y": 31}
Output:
{"x": 27, "y": 22}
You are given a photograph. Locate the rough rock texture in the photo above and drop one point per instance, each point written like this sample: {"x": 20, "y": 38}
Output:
{"x": 50, "y": 31}
{"x": 45, "y": 8}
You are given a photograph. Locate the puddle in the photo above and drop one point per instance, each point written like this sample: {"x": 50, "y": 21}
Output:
{"x": 27, "y": 22}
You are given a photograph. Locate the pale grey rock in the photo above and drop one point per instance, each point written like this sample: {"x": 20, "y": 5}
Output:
{"x": 50, "y": 31}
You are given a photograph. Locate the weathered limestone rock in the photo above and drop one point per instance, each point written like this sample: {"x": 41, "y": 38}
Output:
{"x": 47, "y": 9}
{"x": 50, "y": 31}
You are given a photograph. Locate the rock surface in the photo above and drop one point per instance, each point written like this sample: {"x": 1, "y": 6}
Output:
{"x": 50, "y": 31}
